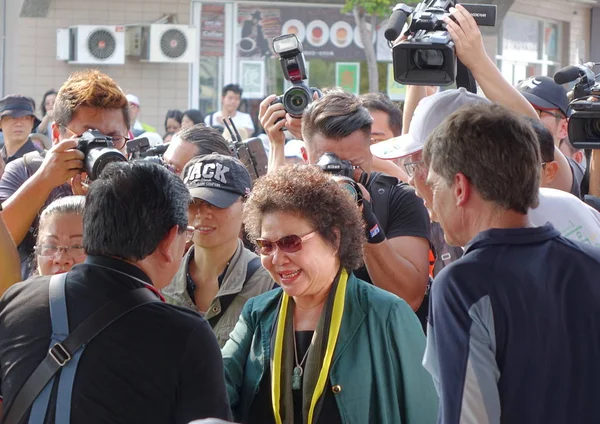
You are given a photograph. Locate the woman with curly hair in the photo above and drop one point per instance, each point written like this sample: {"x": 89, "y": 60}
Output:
{"x": 326, "y": 347}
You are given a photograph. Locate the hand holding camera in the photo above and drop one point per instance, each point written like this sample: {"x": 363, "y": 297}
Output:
{"x": 62, "y": 162}
{"x": 466, "y": 36}
{"x": 272, "y": 118}
{"x": 342, "y": 171}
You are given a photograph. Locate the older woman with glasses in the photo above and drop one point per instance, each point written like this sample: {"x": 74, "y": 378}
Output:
{"x": 325, "y": 347}
{"x": 60, "y": 236}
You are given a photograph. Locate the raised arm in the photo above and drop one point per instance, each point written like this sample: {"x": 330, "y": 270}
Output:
{"x": 471, "y": 51}
{"x": 9, "y": 260}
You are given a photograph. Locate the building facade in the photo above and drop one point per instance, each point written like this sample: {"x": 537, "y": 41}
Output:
{"x": 233, "y": 45}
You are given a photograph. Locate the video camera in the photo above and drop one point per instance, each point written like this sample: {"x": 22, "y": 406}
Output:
{"x": 250, "y": 152}
{"x": 299, "y": 95}
{"x": 342, "y": 171}
{"x": 428, "y": 56}
{"x": 99, "y": 151}
{"x": 584, "y": 122}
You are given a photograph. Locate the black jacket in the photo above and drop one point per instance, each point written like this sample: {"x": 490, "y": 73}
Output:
{"x": 157, "y": 364}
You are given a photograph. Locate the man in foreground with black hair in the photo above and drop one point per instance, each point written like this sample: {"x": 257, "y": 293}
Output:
{"x": 156, "y": 364}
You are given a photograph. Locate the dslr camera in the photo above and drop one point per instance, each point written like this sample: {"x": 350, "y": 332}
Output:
{"x": 250, "y": 152}
{"x": 299, "y": 95}
{"x": 342, "y": 171}
{"x": 428, "y": 57}
{"x": 140, "y": 149}
{"x": 584, "y": 122}
{"x": 99, "y": 151}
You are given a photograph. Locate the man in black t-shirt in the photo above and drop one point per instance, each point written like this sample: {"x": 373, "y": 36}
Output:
{"x": 156, "y": 364}
{"x": 397, "y": 224}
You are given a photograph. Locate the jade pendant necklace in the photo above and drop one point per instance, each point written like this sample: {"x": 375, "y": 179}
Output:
{"x": 298, "y": 371}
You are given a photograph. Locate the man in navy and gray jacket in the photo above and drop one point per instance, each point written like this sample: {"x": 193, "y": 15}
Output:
{"x": 513, "y": 332}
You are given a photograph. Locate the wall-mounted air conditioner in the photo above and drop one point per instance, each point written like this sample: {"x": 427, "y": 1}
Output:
{"x": 91, "y": 45}
{"x": 163, "y": 43}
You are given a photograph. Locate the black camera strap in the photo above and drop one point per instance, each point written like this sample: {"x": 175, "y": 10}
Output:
{"x": 464, "y": 77}
{"x": 60, "y": 354}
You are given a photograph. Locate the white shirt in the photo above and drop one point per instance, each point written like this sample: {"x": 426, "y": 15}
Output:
{"x": 573, "y": 218}
{"x": 241, "y": 120}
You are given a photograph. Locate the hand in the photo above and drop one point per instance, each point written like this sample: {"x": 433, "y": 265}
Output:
{"x": 365, "y": 193}
{"x": 62, "y": 162}
{"x": 273, "y": 119}
{"x": 466, "y": 36}
{"x": 79, "y": 184}
{"x": 294, "y": 126}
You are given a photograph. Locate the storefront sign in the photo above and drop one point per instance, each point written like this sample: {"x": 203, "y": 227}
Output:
{"x": 324, "y": 33}
{"x": 258, "y": 26}
{"x": 212, "y": 30}
{"x": 347, "y": 76}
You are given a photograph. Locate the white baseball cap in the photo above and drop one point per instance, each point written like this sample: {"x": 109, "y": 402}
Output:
{"x": 132, "y": 98}
{"x": 429, "y": 114}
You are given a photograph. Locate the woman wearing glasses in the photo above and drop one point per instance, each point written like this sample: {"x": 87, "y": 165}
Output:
{"x": 326, "y": 347}
{"x": 60, "y": 237}
{"x": 218, "y": 274}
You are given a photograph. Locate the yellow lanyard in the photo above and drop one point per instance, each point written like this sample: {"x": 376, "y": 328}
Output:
{"x": 334, "y": 330}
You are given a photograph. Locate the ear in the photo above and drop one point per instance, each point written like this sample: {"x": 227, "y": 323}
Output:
{"x": 304, "y": 154}
{"x": 550, "y": 170}
{"x": 578, "y": 156}
{"x": 168, "y": 247}
{"x": 563, "y": 129}
{"x": 338, "y": 237}
{"x": 55, "y": 133}
{"x": 462, "y": 189}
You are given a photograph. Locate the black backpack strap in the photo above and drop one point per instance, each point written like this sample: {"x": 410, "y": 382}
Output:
{"x": 210, "y": 119}
{"x": 61, "y": 353}
{"x": 227, "y": 300}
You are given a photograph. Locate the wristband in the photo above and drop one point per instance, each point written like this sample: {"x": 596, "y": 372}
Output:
{"x": 373, "y": 230}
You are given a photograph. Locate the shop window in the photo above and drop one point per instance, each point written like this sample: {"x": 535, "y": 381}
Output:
{"x": 528, "y": 46}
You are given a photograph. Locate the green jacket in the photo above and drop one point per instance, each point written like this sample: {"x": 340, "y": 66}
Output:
{"x": 376, "y": 373}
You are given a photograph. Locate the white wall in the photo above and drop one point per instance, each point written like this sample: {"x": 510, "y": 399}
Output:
{"x": 159, "y": 86}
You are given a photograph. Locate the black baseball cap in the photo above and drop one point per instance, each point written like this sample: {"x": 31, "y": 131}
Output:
{"x": 217, "y": 179}
{"x": 17, "y": 106}
{"x": 544, "y": 94}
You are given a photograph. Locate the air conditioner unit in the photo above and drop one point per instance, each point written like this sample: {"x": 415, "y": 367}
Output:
{"x": 91, "y": 45}
{"x": 163, "y": 43}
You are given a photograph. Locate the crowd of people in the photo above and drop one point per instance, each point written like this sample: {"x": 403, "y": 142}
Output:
{"x": 450, "y": 276}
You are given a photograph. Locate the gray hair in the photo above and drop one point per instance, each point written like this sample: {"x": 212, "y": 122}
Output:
{"x": 494, "y": 148}
{"x": 64, "y": 205}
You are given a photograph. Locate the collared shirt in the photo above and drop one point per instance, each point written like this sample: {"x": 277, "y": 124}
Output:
{"x": 513, "y": 334}
{"x": 25, "y": 148}
{"x": 157, "y": 364}
{"x": 191, "y": 284}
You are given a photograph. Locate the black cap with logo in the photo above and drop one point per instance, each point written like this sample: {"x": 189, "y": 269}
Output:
{"x": 217, "y": 179}
{"x": 544, "y": 94}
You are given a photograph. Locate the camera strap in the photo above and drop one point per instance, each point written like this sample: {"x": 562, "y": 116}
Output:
{"x": 464, "y": 78}
{"x": 65, "y": 350}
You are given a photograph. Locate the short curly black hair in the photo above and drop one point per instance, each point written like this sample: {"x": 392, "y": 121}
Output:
{"x": 307, "y": 191}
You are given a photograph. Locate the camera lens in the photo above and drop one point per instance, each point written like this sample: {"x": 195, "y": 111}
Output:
{"x": 595, "y": 128}
{"x": 295, "y": 100}
{"x": 428, "y": 59}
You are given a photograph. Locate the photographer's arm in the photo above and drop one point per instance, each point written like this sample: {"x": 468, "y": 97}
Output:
{"x": 400, "y": 266}
{"x": 471, "y": 51}
{"x": 268, "y": 115}
{"x": 61, "y": 163}
{"x": 9, "y": 260}
{"x": 595, "y": 173}
{"x": 414, "y": 94}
